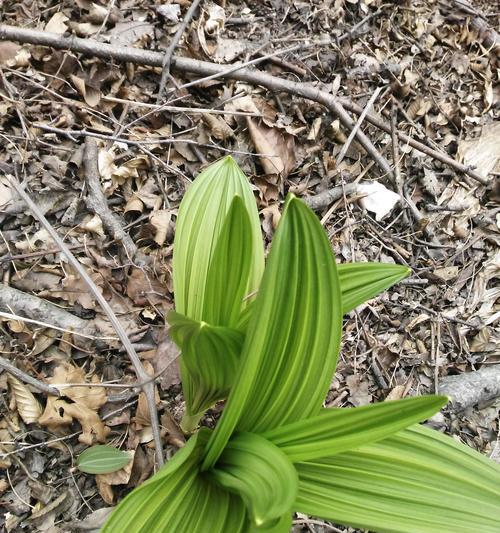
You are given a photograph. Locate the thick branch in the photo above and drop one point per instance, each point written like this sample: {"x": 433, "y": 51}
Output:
{"x": 306, "y": 90}
{"x": 21, "y": 303}
{"x": 472, "y": 388}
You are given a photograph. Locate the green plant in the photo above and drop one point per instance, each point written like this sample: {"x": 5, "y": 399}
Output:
{"x": 269, "y": 343}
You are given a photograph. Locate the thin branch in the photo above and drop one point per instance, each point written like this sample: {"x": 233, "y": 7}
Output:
{"x": 96, "y": 201}
{"x": 26, "y": 378}
{"x": 167, "y": 58}
{"x": 194, "y": 66}
{"x": 349, "y": 140}
{"x": 120, "y": 331}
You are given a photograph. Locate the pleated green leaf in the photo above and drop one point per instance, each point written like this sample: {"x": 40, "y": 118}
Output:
{"x": 210, "y": 356}
{"x": 417, "y": 481}
{"x": 179, "y": 498}
{"x": 291, "y": 346}
{"x": 261, "y": 474}
{"x": 229, "y": 270}
{"x": 361, "y": 281}
{"x": 102, "y": 459}
{"x": 337, "y": 430}
{"x": 201, "y": 220}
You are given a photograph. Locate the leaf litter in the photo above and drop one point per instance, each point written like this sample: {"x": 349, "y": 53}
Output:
{"x": 442, "y": 78}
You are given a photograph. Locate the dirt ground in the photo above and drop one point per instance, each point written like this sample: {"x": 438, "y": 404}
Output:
{"x": 428, "y": 69}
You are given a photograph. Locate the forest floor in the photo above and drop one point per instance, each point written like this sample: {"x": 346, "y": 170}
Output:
{"x": 428, "y": 69}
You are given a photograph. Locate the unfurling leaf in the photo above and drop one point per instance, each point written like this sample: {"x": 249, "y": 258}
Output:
{"x": 200, "y": 222}
{"x": 102, "y": 459}
{"x": 218, "y": 262}
{"x": 261, "y": 474}
{"x": 210, "y": 355}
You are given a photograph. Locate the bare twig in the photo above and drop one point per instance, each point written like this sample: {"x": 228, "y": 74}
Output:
{"x": 26, "y": 378}
{"x": 120, "y": 331}
{"x": 239, "y": 72}
{"x": 169, "y": 52}
{"x": 96, "y": 201}
{"x": 349, "y": 140}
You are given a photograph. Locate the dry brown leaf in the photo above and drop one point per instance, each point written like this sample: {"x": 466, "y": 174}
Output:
{"x": 446, "y": 273}
{"x": 86, "y": 401}
{"x": 57, "y": 23}
{"x": 127, "y": 33}
{"x": 143, "y": 289}
{"x": 276, "y": 146}
{"x": 160, "y": 220}
{"x": 270, "y": 217}
{"x": 120, "y": 477}
{"x": 216, "y": 19}
{"x": 483, "y": 153}
{"x": 358, "y": 390}
{"x": 27, "y": 405}
{"x": 218, "y": 127}
{"x": 91, "y": 95}
{"x": 165, "y": 360}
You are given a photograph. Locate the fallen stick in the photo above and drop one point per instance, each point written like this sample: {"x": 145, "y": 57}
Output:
{"x": 96, "y": 201}
{"x": 142, "y": 375}
{"x": 209, "y": 70}
{"x": 472, "y": 388}
{"x": 26, "y": 378}
{"x": 20, "y": 303}
{"x": 155, "y": 59}
{"x": 194, "y": 66}
{"x": 169, "y": 52}
{"x": 325, "y": 198}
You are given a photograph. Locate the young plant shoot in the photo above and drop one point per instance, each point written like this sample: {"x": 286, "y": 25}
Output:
{"x": 267, "y": 340}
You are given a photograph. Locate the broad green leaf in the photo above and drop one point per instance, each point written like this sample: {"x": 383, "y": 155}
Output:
{"x": 337, "y": 430}
{"x": 361, "y": 281}
{"x": 210, "y": 355}
{"x": 358, "y": 283}
{"x": 179, "y": 498}
{"x": 416, "y": 481}
{"x": 201, "y": 219}
{"x": 291, "y": 346}
{"x": 102, "y": 460}
{"x": 261, "y": 474}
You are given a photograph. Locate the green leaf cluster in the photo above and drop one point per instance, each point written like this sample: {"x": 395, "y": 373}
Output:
{"x": 268, "y": 341}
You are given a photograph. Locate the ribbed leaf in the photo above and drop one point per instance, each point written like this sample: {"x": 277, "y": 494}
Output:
{"x": 358, "y": 283}
{"x": 417, "y": 481}
{"x": 102, "y": 460}
{"x": 261, "y": 474}
{"x": 338, "y": 430}
{"x": 361, "y": 281}
{"x": 201, "y": 219}
{"x": 210, "y": 355}
{"x": 293, "y": 337}
{"x": 179, "y": 498}
{"x": 227, "y": 279}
